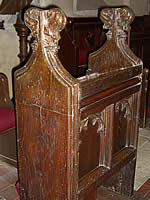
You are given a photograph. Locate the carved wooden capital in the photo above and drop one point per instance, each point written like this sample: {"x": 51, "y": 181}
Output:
{"x": 117, "y": 20}
{"x": 46, "y": 26}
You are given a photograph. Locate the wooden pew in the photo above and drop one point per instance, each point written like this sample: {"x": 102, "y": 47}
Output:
{"x": 78, "y": 135}
{"x": 83, "y": 35}
{"x": 7, "y": 124}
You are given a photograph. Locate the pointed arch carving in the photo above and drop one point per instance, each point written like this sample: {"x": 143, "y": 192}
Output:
{"x": 96, "y": 118}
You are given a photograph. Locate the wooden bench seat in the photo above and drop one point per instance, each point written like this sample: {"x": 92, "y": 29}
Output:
{"x": 76, "y": 135}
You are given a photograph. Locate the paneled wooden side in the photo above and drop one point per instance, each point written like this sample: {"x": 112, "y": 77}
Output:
{"x": 74, "y": 135}
{"x": 110, "y": 99}
{"x": 47, "y": 114}
{"x": 111, "y": 120}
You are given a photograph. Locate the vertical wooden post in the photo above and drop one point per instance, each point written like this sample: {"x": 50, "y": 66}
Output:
{"x": 22, "y": 32}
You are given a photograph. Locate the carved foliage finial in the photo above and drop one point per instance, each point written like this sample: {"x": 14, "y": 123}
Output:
{"x": 55, "y": 22}
{"x": 46, "y": 25}
{"x": 31, "y": 19}
{"x": 117, "y": 20}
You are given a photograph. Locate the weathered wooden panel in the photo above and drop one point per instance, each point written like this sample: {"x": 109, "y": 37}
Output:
{"x": 75, "y": 134}
{"x": 47, "y": 110}
{"x": 38, "y": 155}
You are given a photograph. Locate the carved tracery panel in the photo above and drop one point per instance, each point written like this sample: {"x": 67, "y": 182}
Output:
{"x": 97, "y": 118}
{"x": 123, "y": 123}
{"x": 93, "y": 129}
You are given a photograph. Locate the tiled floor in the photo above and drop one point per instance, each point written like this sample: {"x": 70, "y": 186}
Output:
{"x": 8, "y": 178}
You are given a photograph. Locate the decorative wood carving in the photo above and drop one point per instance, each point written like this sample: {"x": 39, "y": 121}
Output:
{"x": 50, "y": 35}
{"x": 117, "y": 20}
{"x": 96, "y": 118}
{"x": 125, "y": 108}
{"x": 123, "y": 123}
{"x": 54, "y": 110}
{"x": 47, "y": 110}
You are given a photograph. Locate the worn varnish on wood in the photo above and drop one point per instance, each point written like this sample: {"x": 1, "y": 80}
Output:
{"x": 75, "y": 135}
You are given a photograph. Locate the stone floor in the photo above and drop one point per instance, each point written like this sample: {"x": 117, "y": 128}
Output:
{"x": 8, "y": 178}
{"x": 144, "y": 190}
{"x": 143, "y": 158}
